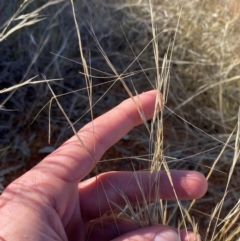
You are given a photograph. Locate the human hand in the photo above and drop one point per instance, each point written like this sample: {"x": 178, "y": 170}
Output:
{"x": 50, "y": 203}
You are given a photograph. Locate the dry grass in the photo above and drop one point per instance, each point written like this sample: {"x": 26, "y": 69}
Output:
{"x": 122, "y": 54}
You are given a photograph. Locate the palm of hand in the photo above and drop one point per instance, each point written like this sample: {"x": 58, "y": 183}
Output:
{"x": 49, "y": 203}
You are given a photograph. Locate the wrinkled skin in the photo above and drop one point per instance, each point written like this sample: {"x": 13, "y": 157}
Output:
{"x": 50, "y": 202}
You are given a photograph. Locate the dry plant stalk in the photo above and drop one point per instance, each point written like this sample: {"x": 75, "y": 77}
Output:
{"x": 226, "y": 76}
{"x": 25, "y": 19}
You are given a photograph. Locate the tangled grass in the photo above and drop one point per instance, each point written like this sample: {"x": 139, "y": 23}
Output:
{"x": 121, "y": 50}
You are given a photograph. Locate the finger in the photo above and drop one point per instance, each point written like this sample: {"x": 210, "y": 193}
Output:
{"x": 77, "y": 156}
{"x": 109, "y": 228}
{"x": 158, "y": 233}
{"x": 117, "y": 187}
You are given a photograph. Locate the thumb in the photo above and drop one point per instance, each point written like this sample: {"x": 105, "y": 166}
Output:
{"x": 158, "y": 233}
{"x": 166, "y": 235}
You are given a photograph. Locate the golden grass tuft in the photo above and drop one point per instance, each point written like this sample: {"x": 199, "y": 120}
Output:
{"x": 60, "y": 69}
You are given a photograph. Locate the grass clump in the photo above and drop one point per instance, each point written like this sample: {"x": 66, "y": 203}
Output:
{"x": 124, "y": 54}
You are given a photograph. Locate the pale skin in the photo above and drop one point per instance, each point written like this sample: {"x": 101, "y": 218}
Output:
{"x": 50, "y": 202}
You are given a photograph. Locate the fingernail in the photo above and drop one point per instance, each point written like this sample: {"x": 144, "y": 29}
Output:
{"x": 192, "y": 237}
{"x": 167, "y": 235}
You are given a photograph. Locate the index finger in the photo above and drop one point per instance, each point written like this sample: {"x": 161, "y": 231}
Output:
{"x": 75, "y": 159}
